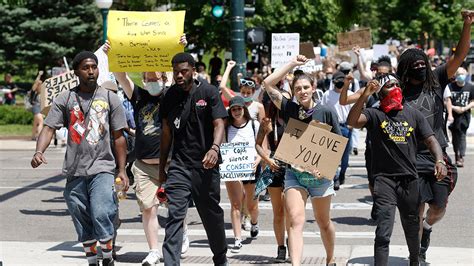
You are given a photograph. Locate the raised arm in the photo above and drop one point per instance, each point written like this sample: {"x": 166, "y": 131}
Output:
{"x": 364, "y": 75}
{"x": 463, "y": 46}
{"x": 223, "y": 85}
{"x": 356, "y": 118}
{"x": 269, "y": 84}
{"x": 122, "y": 77}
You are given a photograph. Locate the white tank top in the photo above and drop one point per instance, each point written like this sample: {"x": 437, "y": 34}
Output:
{"x": 253, "y": 110}
{"x": 243, "y": 134}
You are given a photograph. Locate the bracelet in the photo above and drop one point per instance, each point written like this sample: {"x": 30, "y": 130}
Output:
{"x": 214, "y": 150}
{"x": 38, "y": 152}
{"x": 441, "y": 162}
{"x": 218, "y": 147}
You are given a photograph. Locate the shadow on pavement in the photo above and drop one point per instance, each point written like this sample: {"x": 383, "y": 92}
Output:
{"x": 67, "y": 246}
{"x": 354, "y": 221}
{"x": 395, "y": 261}
{"x": 16, "y": 192}
{"x": 53, "y": 212}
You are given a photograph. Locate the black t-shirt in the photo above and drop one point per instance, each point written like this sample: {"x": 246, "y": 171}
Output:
{"x": 190, "y": 116}
{"x": 461, "y": 96}
{"x": 215, "y": 64}
{"x": 321, "y": 113}
{"x": 148, "y": 123}
{"x": 431, "y": 104}
{"x": 394, "y": 138}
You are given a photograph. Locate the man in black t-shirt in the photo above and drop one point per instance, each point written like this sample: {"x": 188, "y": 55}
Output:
{"x": 396, "y": 130}
{"x": 215, "y": 65}
{"x": 193, "y": 120}
{"x": 463, "y": 100}
{"x": 423, "y": 90}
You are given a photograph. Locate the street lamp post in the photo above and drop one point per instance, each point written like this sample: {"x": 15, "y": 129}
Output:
{"x": 104, "y": 6}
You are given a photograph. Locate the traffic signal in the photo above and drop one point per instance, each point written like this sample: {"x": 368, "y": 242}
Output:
{"x": 249, "y": 8}
{"x": 217, "y": 8}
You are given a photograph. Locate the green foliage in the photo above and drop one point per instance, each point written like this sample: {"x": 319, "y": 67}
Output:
{"x": 38, "y": 33}
{"x": 15, "y": 115}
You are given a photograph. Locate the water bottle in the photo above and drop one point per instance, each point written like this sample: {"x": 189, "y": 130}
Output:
{"x": 119, "y": 188}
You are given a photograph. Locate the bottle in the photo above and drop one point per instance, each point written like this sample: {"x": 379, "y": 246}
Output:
{"x": 119, "y": 189}
{"x": 161, "y": 195}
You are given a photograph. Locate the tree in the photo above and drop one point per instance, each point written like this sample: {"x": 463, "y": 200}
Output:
{"x": 37, "y": 33}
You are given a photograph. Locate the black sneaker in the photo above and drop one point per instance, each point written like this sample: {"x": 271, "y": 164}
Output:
{"x": 425, "y": 243}
{"x": 254, "y": 230}
{"x": 108, "y": 262}
{"x": 372, "y": 213}
{"x": 281, "y": 254}
{"x": 355, "y": 151}
{"x": 336, "y": 185}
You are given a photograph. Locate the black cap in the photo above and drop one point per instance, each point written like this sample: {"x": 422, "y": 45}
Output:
{"x": 81, "y": 56}
{"x": 338, "y": 75}
{"x": 237, "y": 101}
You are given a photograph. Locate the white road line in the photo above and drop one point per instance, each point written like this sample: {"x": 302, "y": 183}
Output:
{"x": 264, "y": 233}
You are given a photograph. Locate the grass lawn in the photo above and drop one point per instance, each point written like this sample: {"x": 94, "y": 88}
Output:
{"x": 15, "y": 130}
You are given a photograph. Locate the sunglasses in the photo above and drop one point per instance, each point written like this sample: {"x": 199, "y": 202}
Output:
{"x": 245, "y": 82}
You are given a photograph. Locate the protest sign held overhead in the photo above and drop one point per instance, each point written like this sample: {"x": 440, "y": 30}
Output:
{"x": 51, "y": 88}
{"x": 144, "y": 41}
{"x": 309, "y": 147}
{"x": 237, "y": 161}
{"x": 347, "y": 40}
{"x": 285, "y": 46}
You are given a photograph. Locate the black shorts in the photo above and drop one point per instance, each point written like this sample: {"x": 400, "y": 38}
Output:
{"x": 257, "y": 175}
{"x": 279, "y": 176}
{"x": 437, "y": 192}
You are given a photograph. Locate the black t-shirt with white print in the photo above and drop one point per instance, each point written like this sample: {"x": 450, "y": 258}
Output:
{"x": 190, "y": 116}
{"x": 148, "y": 123}
{"x": 395, "y": 137}
{"x": 431, "y": 104}
{"x": 461, "y": 96}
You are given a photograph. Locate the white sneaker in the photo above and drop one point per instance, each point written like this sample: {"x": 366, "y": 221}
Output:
{"x": 152, "y": 258}
{"x": 237, "y": 246}
{"x": 185, "y": 246}
{"x": 246, "y": 225}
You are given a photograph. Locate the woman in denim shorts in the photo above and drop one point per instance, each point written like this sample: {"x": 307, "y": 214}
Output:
{"x": 301, "y": 185}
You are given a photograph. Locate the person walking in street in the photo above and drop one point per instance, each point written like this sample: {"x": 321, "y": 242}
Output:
{"x": 193, "y": 120}
{"x": 145, "y": 169}
{"x": 396, "y": 130}
{"x": 423, "y": 90}
{"x": 90, "y": 162}
{"x": 34, "y": 100}
{"x": 301, "y": 185}
{"x": 242, "y": 128}
{"x": 462, "y": 98}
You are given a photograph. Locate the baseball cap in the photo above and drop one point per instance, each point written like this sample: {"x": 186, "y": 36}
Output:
{"x": 237, "y": 101}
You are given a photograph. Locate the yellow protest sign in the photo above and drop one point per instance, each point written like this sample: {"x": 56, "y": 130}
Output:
{"x": 144, "y": 41}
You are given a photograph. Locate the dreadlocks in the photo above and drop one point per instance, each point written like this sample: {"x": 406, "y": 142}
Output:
{"x": 405, "y": 63}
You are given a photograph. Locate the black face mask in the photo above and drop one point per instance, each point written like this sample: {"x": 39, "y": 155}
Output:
{"x": 339, "y": 84}
{"x": 418, "y": 73}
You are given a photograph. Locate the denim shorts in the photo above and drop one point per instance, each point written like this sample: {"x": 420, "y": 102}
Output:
{"x": 93, "y": 206}
{"x": 324, "y": 189}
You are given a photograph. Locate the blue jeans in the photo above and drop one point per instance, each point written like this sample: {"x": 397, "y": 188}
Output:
{"x": 346, "y": 132}
{"x": 93, "y": 206}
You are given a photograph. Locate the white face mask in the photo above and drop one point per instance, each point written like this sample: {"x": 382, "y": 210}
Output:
{"x": 154, "y": 88}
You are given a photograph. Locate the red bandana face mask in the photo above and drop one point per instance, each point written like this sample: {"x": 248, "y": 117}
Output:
{"x": 393, "y": 101}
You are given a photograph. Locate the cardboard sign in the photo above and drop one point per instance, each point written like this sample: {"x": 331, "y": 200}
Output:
{"x": 144, "y": 41}
{"x": 309, "y": 147}
{"x": 347, "y": 40}
{"x": 285, "y": 46}
{"x": 55, "y": 85}
{"x": 307, "y": 49}
{"x": 237, "y": 161}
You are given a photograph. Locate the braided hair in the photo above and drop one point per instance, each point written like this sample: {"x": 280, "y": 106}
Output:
{"x": 405, "y": 63}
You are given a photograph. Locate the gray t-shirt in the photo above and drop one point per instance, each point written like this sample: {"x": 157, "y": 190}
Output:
{"x": 89, "y": 150}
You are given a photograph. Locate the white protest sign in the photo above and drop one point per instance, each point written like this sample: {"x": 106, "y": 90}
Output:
{"x": 237, "y": 161}
{"x": 310, "y": 67}
{"x": 51, "y": 88}
{"x": 103, "y": 65}
{"x": 285, "y": 46}
{"x": 380, "y": 50}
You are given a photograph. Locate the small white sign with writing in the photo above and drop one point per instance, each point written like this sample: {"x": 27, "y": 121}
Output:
{"x": 285, "y": 46}
{"x": 237, "y": 161}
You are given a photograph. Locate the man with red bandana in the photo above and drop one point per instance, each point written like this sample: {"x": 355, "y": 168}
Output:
{"x": 396, "y": 130}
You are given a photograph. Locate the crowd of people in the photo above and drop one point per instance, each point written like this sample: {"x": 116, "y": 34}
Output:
{"x": 178, "y": 124}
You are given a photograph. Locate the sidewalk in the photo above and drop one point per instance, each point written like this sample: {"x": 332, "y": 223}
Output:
{"x": 70, "y": 253}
